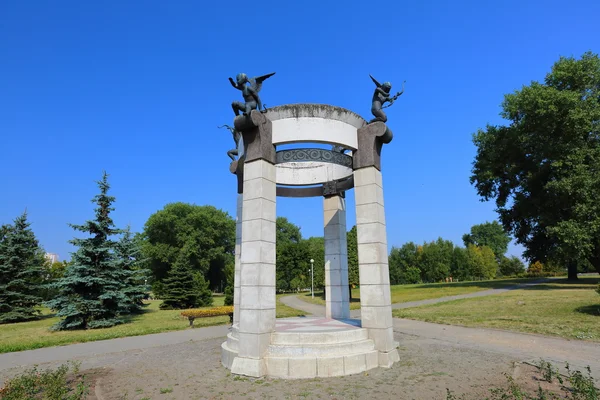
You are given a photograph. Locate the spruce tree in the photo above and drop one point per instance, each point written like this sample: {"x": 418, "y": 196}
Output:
{"x": 21, "y": 271}
{"x": 229, "y": 295}
{"x": 128, "y": 255}
{"x": 185, "y": 288}
{"x": 90, "y": 292}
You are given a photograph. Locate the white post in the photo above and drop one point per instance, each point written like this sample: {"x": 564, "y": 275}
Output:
{"x": 374, "y": 276}
{"x": 257, "y": 275}
{"x": 337, "y": 299}
{"x": 312, "y": 277}
{"x": 238, "y": 255}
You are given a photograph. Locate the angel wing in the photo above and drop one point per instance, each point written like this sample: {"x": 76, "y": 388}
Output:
{"x": 257, "y": 81}
{"x": 375, "y": 81}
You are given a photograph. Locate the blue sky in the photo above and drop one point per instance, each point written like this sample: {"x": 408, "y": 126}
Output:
{"x": 138, "y": 88}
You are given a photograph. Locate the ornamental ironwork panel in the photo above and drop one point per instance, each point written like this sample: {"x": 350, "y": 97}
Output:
{"x": 318, "y": 155}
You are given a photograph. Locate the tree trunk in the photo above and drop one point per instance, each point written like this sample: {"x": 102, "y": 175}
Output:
{"x": 596, "y": 261}
{"x": 572, "y": 271}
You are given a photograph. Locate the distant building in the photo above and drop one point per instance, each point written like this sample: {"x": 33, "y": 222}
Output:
{"x": 52, "y": 257}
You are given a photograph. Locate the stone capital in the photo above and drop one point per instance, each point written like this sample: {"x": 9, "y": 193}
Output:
{"x": 257, "y": 134}
{"x": 371, "y": 139}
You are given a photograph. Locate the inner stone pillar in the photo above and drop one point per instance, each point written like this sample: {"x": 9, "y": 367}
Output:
{"x": 238, "y": 253}
{"x": 336, "y": 258}
{"x": 374, "y": 276}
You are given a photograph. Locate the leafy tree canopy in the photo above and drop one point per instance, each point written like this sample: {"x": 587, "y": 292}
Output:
{"x": 287, "y": 232}
{"x": 490, "y": 234}
{"x": 203, "y": 236}
{"x": 543, "y": 168}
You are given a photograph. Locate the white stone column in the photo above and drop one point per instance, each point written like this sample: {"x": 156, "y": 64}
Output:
{"x": 238, "y": 254}
{"x": 257, "y": 274}
{"x": 375, "y": 299}
{"x": 336, "y": 258}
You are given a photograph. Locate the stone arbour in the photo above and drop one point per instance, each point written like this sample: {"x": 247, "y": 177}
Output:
{"x": 258, "y": 175}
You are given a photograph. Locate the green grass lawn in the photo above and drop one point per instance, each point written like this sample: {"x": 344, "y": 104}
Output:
{"x": 562, "y": 308}
{"x": 406, "y": 293}
{"x": 36, "y": 334}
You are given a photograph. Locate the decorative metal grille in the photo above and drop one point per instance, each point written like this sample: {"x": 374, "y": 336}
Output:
{"x": 322, "y": 155}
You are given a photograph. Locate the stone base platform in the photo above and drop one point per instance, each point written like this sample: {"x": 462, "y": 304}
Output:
{"x": 309, "y": 347}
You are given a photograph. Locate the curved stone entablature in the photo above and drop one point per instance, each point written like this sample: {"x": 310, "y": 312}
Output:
{"x": 322, "y": 155}
{"x": 316, "y": 123}
{"x": 310, "y": 173}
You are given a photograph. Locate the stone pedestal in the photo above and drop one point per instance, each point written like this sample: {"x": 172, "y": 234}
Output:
{"x": 336, "y": 258}
{"x": 238, "y": 254}
{"x": 375, "y": 299}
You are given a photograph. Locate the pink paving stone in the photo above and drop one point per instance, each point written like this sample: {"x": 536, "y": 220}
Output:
{"x": 315, "y": 324}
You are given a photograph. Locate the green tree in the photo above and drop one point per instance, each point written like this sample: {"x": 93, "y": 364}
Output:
{"x": 185, "y": 288}
{"x": 403, "y": 263}
{"x": 293, "y": 266}
{"x": 535, "y": 269}
{"x": 511, "y": 266}
{"x": 316, "y": 250}
{"x": 543, "y": 168}
{"x": 293, "y": 257}
{"x": 482, "y": 262}
{"x": 490, "y": 234}
{"x": 434, "y": 260}
{"x": 229, "y": 295}
{"x": 91, "y": 290}
{"x": 128, "y": 253}
{"x": 229, "y": 278}
{"x": 207, "y": 234}
{"x": 287, "y": 232}
{"x": 352, "y": 244}
{"x": 21, "y": 271}
{"x": 52, "y": 272}
{"x": 459, "y": 267}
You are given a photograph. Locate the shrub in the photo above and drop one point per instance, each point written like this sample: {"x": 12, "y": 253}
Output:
{"x": 535, "y": 269}
{"x": 192, "y": 314}
{"x": 580, "y": 386}
{"x": 229, "y": 295}
{"x": 49, "y": 384}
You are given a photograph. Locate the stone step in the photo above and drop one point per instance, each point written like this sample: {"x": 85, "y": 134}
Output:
{"x": 233, "y": 342}
{"x": 321, "y": 350}
{"x": 300, "y": 338}
{"x": 311, "y": 367}
{"x": 227, "y": 355}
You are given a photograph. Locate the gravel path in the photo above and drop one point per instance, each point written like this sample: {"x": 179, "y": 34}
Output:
{"x": 192, "y": 370}
{"x": 91, "y": 349}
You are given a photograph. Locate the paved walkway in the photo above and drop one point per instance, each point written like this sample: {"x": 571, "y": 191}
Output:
{"x": 318, "y": 310}
{"x": 90, "y": 349}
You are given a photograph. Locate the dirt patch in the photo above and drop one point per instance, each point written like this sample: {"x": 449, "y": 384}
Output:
{"x": 192, "y": 370}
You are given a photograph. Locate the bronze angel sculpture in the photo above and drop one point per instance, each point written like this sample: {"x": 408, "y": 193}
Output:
{"x": 249, "y": 92}
{"x": 380, "y": 97}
